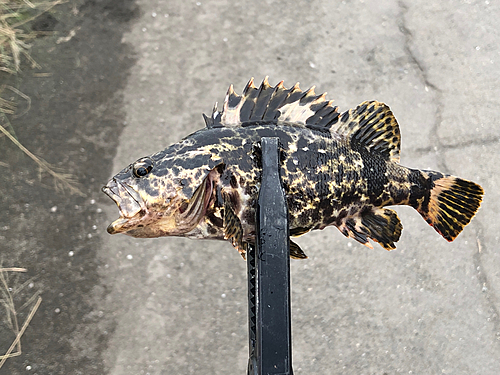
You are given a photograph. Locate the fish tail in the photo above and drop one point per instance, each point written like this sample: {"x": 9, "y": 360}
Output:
{"x": 450, "y": 203}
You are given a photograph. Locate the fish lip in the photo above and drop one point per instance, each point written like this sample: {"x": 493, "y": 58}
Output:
{"x": 129, "y": 202}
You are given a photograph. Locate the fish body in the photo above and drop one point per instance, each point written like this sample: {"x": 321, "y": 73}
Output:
{"x": 338, "y": 169}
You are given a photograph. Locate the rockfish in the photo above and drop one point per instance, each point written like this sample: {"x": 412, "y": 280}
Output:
{"x": 338, "y": 169}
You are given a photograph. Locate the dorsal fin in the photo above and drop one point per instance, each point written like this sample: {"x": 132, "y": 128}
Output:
{"x": 213, "y": 120}
{"x": 267, "y": 103}
{"x": 373, "y": 125}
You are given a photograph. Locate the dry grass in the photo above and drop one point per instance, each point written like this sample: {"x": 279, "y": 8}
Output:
{"x": 15, "y": 15}
{"x": 8, "y": 298}
{"x": 63, "y": 181}
{"x": 14, "y": 37}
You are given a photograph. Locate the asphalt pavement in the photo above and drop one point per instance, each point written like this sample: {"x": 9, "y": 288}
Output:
{"x": 179, "y": 306}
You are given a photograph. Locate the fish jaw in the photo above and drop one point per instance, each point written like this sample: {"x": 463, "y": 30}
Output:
{"x": 143, "y": 216}
{"x": 130, "y": 204}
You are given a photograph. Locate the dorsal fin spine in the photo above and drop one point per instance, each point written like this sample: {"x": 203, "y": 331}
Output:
{"x": 268, "y": 103}
{"x": 262, "y": 100}
{"x": 249, "y": 86}
{"x": 278, "y": 89}
{"x": 265, "y": 84}
{"x": 208, "y": 121}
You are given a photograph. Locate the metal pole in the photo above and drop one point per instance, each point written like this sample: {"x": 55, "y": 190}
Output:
{"x": 269, "y": 286}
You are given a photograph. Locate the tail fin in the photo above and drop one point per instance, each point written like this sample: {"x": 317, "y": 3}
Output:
{"x": 452, "y": 204}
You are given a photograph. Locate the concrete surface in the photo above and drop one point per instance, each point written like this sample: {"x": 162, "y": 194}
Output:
{"x": 177, "y": 306}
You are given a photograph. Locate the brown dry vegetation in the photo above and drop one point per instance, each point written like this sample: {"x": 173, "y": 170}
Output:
{"x": 15, "y": 38}
{"x": 9, "y": 302}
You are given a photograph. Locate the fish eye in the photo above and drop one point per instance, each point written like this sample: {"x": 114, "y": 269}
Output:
{"x": 142, "y": 167}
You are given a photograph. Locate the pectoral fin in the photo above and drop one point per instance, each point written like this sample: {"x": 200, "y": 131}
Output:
{"x": 233, "y": 232}
{"x": 232, "y": 228}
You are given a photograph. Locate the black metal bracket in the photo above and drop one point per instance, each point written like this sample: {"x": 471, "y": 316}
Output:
{"x": 268, "y": 264}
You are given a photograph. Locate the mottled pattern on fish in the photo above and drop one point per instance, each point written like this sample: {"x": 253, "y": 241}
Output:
{"x": 337, "y": 169}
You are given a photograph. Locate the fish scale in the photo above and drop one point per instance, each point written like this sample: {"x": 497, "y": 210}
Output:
{"x": 339, "y": 169}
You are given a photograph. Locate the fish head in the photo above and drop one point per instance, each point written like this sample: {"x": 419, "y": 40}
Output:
{"x": 158, "y": 197}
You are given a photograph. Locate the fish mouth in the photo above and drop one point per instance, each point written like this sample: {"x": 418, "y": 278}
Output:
{"x": 129, "y": 202}
{"x": 175, "y": 216}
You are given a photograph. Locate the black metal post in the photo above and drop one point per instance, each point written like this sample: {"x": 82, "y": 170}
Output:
{"x": 269, "y": 274}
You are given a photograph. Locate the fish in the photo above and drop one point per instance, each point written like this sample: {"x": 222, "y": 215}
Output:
{"x": 337, "y": 169}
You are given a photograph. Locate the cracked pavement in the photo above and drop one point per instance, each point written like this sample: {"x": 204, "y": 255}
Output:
{"x": 178, "y": 306}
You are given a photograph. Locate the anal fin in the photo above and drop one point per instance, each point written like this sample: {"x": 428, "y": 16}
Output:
{"x": 382, "y": 225}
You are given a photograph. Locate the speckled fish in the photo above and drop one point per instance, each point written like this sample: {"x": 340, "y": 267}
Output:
{"x": 338, "y": 169}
